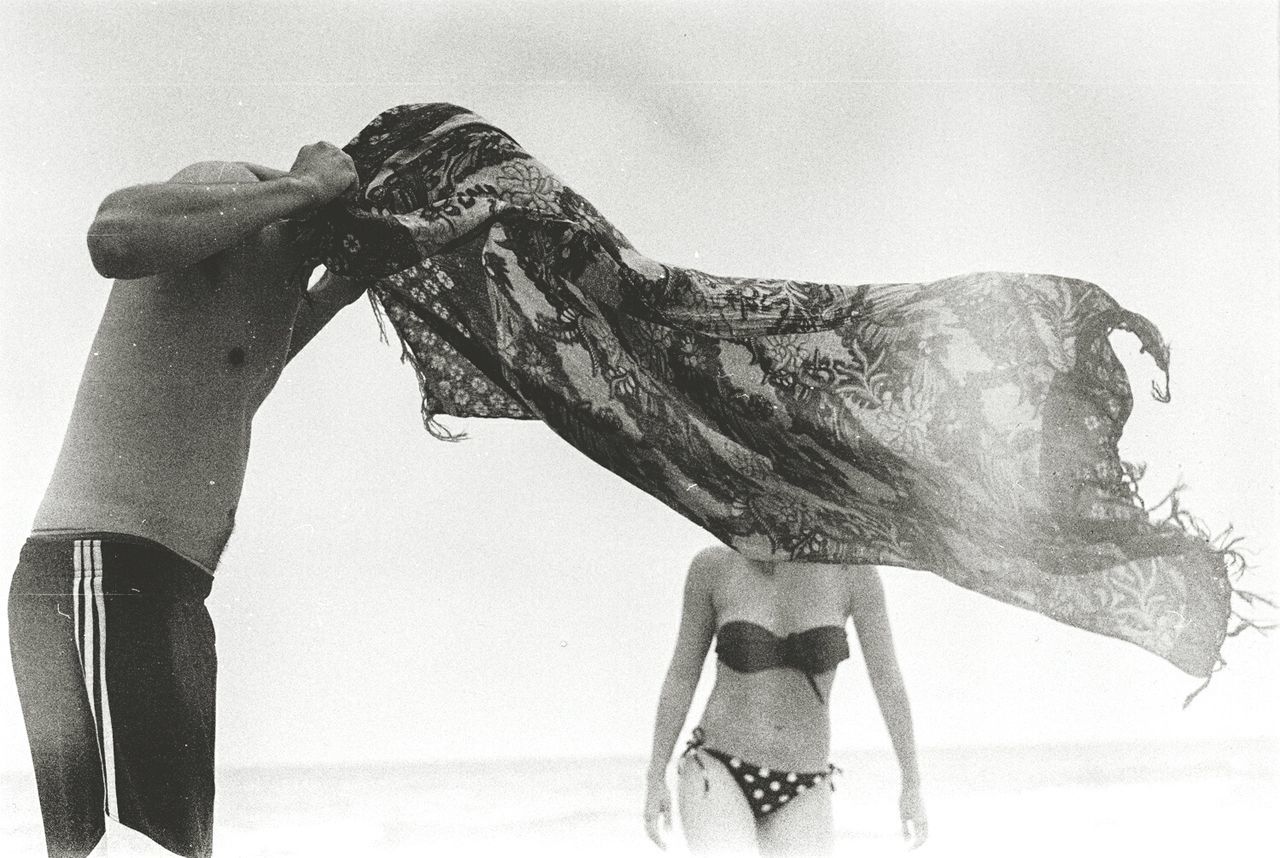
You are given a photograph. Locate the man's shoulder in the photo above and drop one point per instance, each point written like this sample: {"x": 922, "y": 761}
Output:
{"x": 214, "y": 173}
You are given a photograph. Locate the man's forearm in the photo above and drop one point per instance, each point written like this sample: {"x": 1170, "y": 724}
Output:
{"x": 146, "y": 229}
{"x": 325, "y": 299}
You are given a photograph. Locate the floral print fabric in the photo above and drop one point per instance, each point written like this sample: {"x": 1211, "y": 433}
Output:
{"x": 968, "y": 427}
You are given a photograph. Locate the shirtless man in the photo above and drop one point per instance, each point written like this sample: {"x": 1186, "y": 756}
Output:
{"x": 112, "y": 646}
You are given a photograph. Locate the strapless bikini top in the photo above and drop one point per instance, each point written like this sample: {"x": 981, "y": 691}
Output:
{"x": 747, "y": 647}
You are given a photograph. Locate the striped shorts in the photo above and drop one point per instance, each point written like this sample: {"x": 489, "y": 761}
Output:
{"x": 113, "y": 653}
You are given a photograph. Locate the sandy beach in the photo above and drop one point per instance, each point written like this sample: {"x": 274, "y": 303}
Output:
{"x": 1101, "y": 800}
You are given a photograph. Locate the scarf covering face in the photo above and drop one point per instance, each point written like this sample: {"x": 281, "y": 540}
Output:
{"x": 967, "y": 427}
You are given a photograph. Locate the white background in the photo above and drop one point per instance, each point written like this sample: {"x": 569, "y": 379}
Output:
{"x": 389, "y": 596}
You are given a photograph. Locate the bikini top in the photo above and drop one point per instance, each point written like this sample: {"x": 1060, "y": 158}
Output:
{"x": 747, "y": 647}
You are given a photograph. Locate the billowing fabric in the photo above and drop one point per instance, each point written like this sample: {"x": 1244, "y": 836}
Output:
{"x": 967, "y": 427}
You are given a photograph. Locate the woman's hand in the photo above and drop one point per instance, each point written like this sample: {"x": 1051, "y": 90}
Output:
{"x": 915, "y": 825}
{"x": 657, "y": 811}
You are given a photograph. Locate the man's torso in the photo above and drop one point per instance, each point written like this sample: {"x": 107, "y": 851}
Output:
{"x": 159, "y": 435}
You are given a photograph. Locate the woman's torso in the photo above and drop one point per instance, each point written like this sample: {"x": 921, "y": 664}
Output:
{"x": 777, "y": 716}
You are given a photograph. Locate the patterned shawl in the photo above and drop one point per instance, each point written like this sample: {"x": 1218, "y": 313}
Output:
{"x": 967, "y": 427}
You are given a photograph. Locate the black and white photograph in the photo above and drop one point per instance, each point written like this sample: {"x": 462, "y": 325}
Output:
{"x": 588, "y": 427}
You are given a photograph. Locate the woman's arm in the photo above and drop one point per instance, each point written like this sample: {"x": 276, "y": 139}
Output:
{"x": 146, "y": 229}
{"x": 871, "y": 622}
{"x": 697, "y": 628}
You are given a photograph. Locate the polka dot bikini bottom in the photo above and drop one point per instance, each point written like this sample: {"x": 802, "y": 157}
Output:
{"x": 765, "y": 789}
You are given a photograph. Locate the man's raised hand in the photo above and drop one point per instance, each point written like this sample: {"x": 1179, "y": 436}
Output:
{"x": 326, "y": 171}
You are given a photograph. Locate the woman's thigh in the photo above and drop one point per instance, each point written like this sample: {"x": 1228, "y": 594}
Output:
{"x": 803, "y": 827}
{"x": 714, "y": 814}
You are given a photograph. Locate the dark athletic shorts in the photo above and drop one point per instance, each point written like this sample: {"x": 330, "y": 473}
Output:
{"x": 113, "y": 653}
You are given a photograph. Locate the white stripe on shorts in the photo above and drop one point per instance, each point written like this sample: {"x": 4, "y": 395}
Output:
{"x": 77, "y": 604}
{"x": 90, "y": 597}
{"x": 84, "y": 617}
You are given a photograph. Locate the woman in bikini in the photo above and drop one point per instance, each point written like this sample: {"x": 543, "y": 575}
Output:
{"x": 756, "y": 775}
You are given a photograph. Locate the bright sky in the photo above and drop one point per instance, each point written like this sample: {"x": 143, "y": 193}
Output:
{"x": 389, "y": 596}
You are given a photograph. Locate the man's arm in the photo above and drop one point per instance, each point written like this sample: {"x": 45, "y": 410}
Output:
{"x": 324, "y": 300}
{"x": 146, "y": 229}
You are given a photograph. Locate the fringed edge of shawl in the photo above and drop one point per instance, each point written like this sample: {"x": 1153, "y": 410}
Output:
{"x": 1152, "y": 343}
{"x": 430, "y": 420}
{"x": 1226, "y": 545}
{"x": 1243, "y": 605}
